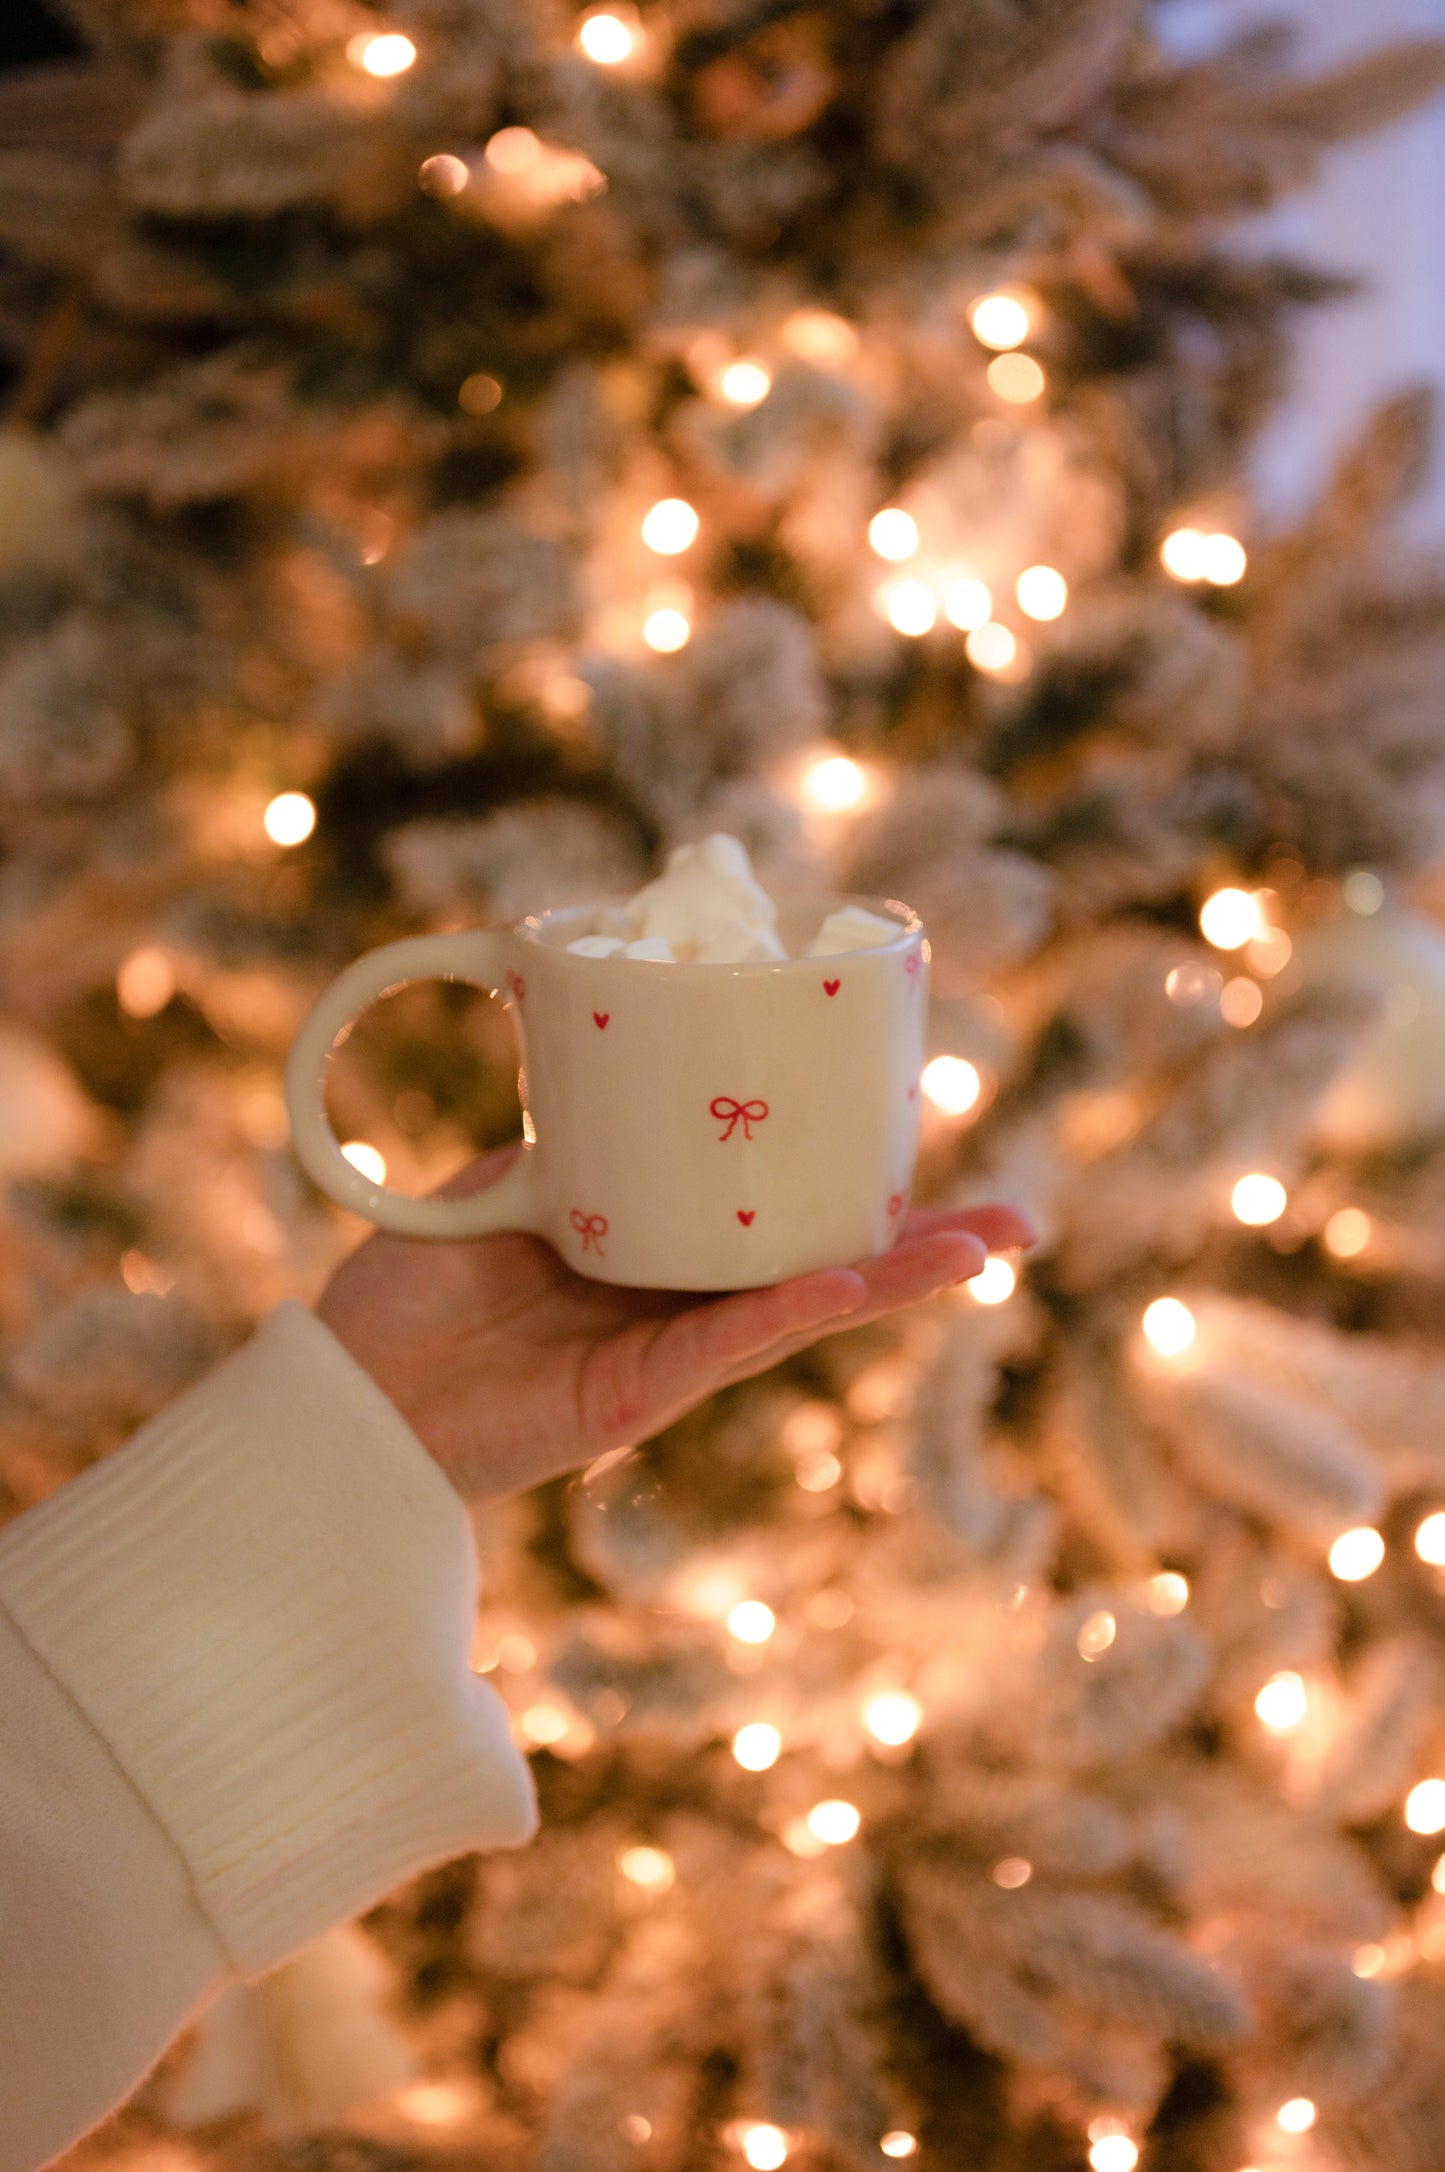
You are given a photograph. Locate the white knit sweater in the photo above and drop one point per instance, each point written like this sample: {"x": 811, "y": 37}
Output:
{"x": 234, "y": 1708}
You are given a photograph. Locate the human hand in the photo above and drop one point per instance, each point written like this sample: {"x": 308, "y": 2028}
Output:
{"x": 509, "y": 1368}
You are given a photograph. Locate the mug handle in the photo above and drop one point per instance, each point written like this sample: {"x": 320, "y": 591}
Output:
{"x": 510, "y": 1203}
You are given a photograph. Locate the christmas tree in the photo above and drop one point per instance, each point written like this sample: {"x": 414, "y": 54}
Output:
{"x": 454, "y": 456}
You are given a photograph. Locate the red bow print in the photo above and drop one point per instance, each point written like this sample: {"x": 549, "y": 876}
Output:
{"x": 732, "y": 1113}
{"x": 591, "y": 1228}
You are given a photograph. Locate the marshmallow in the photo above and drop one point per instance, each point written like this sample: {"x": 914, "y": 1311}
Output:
{"x": 707, "y": 891}
{"x": 737, "y": 944}
{"x": 650, "y": 947}
{"x": 851, "y": 929}
{"x": 596, "y": 946}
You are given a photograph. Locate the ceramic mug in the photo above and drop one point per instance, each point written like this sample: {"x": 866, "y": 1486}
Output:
{"x": 687, "y": 1127}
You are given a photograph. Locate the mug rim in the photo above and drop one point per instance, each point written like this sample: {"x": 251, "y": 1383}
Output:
{"x": 910, "y": 929}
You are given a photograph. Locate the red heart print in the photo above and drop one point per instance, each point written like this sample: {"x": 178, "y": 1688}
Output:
{"x": 895, "y": 1205}
{"x": 600, "y": 1018}
{"x": 517, "y": 986}
{"x": 831, "y": 987}
{"x": 746, "y": 1215}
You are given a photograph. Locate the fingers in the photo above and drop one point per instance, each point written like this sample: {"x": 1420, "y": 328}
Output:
{"x": 481, "y": 1174}
{"x": 1002, "y": 1229}
{"x": 708, "y": 1342}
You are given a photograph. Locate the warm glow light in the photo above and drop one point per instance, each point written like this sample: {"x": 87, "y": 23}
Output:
{"x": 365, "y": 1158}
{"x": 1296, "y": 2117}
{"x": 651, "y": 1868}
{"x": 1363, "y": 892}
{"x": 999, "y": 320}
{"x": 764, "y": 2147}
{"x": 634, "y": 2128}
{"x": 1016, "y": 378}
{"x": 1425, "y": 1807}
{"x": 1270, "y": 952}
{"x": 816, "y": 335}
{"x": 1097, "y": 1634}
{"x": 1169, "y": 1327}
{"x": 543, "y": 1724}
{"x": 670, "y": 527}
{"x": 1356, "y": 1554}
{"x": 834, "y": 1822}
{"x": 1258, "y": 1200}
{"x": 387, "y": 54}
{"x": 1240, "y": 1002}
{"x": 833, "y": 784}
{"x": 145, "y": 982}
{"x": 1430, "y": 1540}
{"x": 751, "y": 1622}
{"x": 756, "y": 1746}
{"x": 1167, "y": 1593}
{"x": 1192, "y": 985}
{"x": 1282, "y": 1703}
{"x": 994, "y": 1283}
{"x": 436, "y": 2103}
{"x": 479, "y": 393}
{"x": 444, "y": 175}
{"x": 1222, "y": 560}
{"x": 891, "y": 1716}
{"x": 991, "y": 648}
{"x": 952, "y": 1084}
{"x": 744, "y": 383}
{"x": 290, "y": 818}
{"x": 909, "y": 607}
{"x": 666, "y": 631}
{"x": 817, "y": 1472}
{"x": 1368, "y": 1960}
{"x": 1437, "y": 1876}
{"x": 1230, "y": 919}
{"x": 1114, "y": 2153}
{"x": 1183, "y": 554}
{"x": 967, "y": 604}
{"x": 893, "y": 533}
{"x": 898, "y": 2142}
{"x": 513, "y": 150}
{"x": 1042, "y": 592}
{"x": 1011, "y": 1872}
{"x": 605, "y": 39}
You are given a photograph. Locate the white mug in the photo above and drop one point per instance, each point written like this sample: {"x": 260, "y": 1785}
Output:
{"x": 686, "y": 1127}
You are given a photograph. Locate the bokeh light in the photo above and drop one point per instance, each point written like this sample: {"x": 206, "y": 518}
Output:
{"x": 670, "y": 526}
{"x": 991, "y": 647}
{"x": 1430, "y": 1539}
{"x": 1356, "y": 1554}
{"x": 999, "y": 320}
{"x": 365, "y": 1158}
{"x": 1169, "y": 1326}
{"x": 994, "y": 1283}
{"x": 1240, "y": 1002}
{"x": 967, "y": 603}
{"x": 443, "y": 174}
{"x": 290, "y": 818}
{"x": 1167, "y": 1593}
{"x": 650, "y": 1868}
{"x": 751, "y": 1622}
{"x": 744, "y": 383}
{"x": 667, "y": 630}
{"x": 1425, "y": 1807}
{"x": 1282, "y": 1703}
{"x": 1258, "y": 1200}
{"x": 893, "y": 533}
{"x": 1230, "y": 918}
{"x": 145, "y": 981}
{"x": 382, "y": 53}
{"x": 756, "y": 1746}
{"x": 1042, "y": 591}
{"x": 1097, "y": 1634}
{"x": 765, "y": 2147}
{"x": 834, "y": 784}
{"x": 834, "y": 1822}
{"x": 1296, "y": 2117}
{"x": 606, "y": 39}
{"x": 1016, "y": 378}
{"x": 892, "y": 1716}
{"x": 909, "y": 607}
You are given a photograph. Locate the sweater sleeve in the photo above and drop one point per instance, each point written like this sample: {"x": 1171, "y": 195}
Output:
{"x": 235, "y": 1708}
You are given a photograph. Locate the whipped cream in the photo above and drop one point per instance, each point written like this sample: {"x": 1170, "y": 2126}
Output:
{"x": 708, "y": 908}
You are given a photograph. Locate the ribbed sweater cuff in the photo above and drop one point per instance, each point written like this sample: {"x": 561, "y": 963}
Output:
{"x": 264, "y": 1606}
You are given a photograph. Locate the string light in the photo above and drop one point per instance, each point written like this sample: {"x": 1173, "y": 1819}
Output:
{"x": 952, "y": 1084}
{"x": 833, "y": 784}
{"x": 745, "y": 383}
{"x": 909, "y": 607}
{"x": 1016, "y": 378}
{"x": 1181, "y": 553}
{"x": 650, "y": 1868}
{"x": 898, "y": 2142}
{"x": 667, "y": 630}
{"x": 479, "y": 393}
{"x": 145, "y": 981}
{"x": 1042, "y": 592}
{"x": 991, "y": 647}
{"x": 1258, "y": 1200}
{"x": 1169, "y": 1326}
{"x": 765, "y": 2147}
{"x": 1114, "y": 2153}
{"x": 371, "y": 1164}
{"x": 1363, "y": 892}
{"x": 443, "y": 175}
{"x": 994, "y": 1283}
{"x": 893, "y": 533}
{"x": 1012, "y": 1872}
{"x": 1430, "y": 1540}
{"x": 817, "y": 336}
{"x": 756, "y": 1746}
{"x": 751, "y": 1622}
{"x": 1282, "y": 1703}
{"x": 892, "y": 1716}
{"x": 513, "y": 150}
{"x": 1425, "y": 1807}
{"x": 1356, "y": 1554}
{"x": 999, "y": 320}
{"x": 384, "y": 54}
{"x": 967, "y": 604}
{"x": 818, "y": 1472}
{"x": 671, "y": 526}
{"x": 1240, "y": 1002}
{"x": 1270, "y": 951}
{"x": 543, "y": 1724}
{"x": 1096, "y": 1635}
{"x": 835, "y": 1822}
{"x": 1167, "y": 1593}
{"x": 1230, "y": 918}
{"x": 1368, "y": 1960}
{"x": 290, "y": 818}
{"x": 1296, "y": 2117}
{"x": 606, "y": 39}
{"x": 1223, "y": 560}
